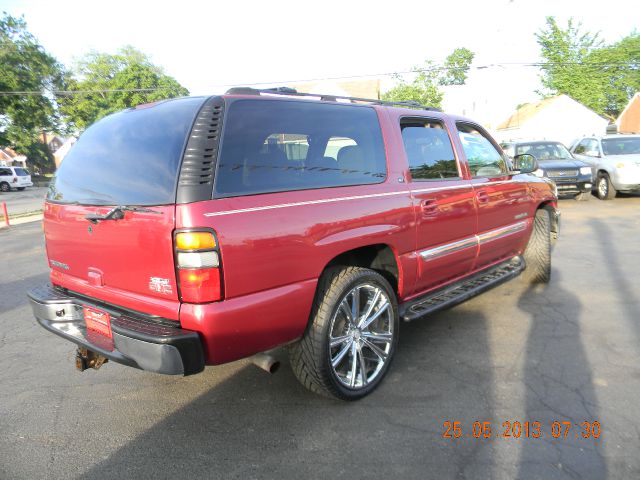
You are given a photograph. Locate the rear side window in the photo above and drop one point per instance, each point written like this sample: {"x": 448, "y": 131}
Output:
{"x": 274, "y": 146}
{"x": 428, "y": 150}
{"x": 128, "y": 158}
{"x": 5, "y": 172}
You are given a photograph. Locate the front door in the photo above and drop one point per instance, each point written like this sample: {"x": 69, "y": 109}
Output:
{"x": 502, "y": 198}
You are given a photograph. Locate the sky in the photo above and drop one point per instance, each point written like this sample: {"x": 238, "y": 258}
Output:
{"x": 211, "y": 45}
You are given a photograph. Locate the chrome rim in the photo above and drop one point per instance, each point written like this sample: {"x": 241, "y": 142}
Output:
{"x": 602, "y": 186}
{"x": 361, "y": 336}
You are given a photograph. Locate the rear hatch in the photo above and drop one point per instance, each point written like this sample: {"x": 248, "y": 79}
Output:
{"x": 24, "y": 178}
{"x": 110, "y": 209}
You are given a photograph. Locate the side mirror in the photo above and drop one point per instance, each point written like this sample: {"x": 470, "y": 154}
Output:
{"x": 525, "y": 163}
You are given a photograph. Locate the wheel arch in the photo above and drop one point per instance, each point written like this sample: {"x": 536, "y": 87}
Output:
{"x": 379, "y": 257}
{"x": 552, "y": 208}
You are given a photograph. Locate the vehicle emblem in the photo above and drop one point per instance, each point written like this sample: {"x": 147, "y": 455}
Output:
{"x": 90, "y": 229}
{"x": 160, "y": 285}
{"x": 55, "y": 263}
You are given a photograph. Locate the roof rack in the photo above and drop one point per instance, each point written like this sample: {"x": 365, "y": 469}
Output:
{"x": 326, "y": 97}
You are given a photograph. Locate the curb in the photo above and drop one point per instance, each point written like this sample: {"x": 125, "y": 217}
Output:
{"x": 20, "y": 220}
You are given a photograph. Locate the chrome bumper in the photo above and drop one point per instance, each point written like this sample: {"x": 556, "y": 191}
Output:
{"x": 137, "y": 341}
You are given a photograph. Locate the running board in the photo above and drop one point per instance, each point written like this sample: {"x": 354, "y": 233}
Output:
{"x": 462, "y": 290}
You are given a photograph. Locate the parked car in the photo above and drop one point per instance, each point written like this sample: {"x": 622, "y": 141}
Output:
{"x": 615, "y": 160}
{"x": 572, "y": 176}
{"x": 14, "y": 177}
{"x": 253, "y": 220}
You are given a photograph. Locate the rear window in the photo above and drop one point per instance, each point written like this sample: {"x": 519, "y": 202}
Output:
{"x": 128, "y": 158}
{"x": 274, "y": 146}
{"x": 21, "y": 172}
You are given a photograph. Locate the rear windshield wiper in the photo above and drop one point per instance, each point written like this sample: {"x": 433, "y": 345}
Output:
{"x": 117, "y": 213}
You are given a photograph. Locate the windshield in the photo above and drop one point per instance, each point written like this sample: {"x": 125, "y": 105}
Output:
{"x": 621, "y": 146}
{"x": 128, "y": 158}
{"x": 544, "y": 151}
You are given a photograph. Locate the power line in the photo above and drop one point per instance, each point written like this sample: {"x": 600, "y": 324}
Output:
{"x": 619, "y": 66}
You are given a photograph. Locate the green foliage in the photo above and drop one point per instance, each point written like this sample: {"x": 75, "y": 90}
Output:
{"x": 578, "y": 64}
{"x": 456, "y": 67}
{"x": 424, "y": 87}
{"x": 26, "y": 67}
{"x": 108, "y": 83}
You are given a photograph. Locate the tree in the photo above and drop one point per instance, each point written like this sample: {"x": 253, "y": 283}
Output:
{"x": 424, "y": 87}
{"x": 456, "y": 67}
{"x": 578, "y": 64}
{"x": 28, "y": 77}
{"x": 105, "y": 83}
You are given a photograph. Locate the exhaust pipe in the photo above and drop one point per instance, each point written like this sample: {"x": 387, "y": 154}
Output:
{"x": 266, "y": 362}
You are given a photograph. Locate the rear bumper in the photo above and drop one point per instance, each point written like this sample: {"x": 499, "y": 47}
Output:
{"x": 137, "y": 341}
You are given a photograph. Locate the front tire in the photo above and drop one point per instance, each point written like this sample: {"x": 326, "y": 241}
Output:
{"x": 605, "y": 189}
{"x": 537, "y": 255}
{"x": 351, "y": 337}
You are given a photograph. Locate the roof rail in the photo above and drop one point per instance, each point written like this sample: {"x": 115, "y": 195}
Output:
{"x": 326, "y": 97}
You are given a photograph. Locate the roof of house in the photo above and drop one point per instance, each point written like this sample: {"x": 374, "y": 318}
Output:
{"x": 525, "y": 112}
{"x": 528, "y": 111}
{"x": 629, "y": 119}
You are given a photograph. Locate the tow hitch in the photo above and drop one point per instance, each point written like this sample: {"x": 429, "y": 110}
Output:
{"x": 87, "y": 359}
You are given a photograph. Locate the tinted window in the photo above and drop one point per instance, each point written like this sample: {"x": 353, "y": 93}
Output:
{"x": 5, "y": 171}
{"x": 271, "y": 146}
{"x": 621, "y": 146}
{"x": 128, "y": 158}
{"x": 484, "y": 159}
{"x": 428, "y": 150}
{"x": 21, "y": 172}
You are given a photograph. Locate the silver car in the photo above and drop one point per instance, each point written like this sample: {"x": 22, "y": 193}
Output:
{"x": 615, "y": 161}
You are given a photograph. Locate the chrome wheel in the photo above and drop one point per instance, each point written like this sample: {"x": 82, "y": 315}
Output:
{"x": 361, "y": 335}
{"x": 603, "y": 187}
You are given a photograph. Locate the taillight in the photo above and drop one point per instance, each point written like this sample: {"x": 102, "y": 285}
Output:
{"x": 198, "y": 263}
{"x": 15, "y": 179}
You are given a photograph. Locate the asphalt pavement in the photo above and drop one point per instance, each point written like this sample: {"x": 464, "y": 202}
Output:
{"x": 26, "y": 201}
{"x": 565, "y": 352}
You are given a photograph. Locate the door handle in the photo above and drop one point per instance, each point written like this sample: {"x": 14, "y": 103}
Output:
{"x": 429, "y": 207}
{"x": 482, "y": 196}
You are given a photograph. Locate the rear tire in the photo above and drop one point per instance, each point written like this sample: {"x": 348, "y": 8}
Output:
{"x": 537, "y": 255}
{"x": 5, "y": 187}
{"x": 605, "y": 189}
{"x": 583, "y": 196}
{"x": 351, "y": 337}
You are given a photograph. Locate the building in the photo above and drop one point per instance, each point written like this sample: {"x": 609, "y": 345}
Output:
{"x": 629, "y": 119}
{"x": 347, "y": 88}
{"x": 62, "y": 150}
{"x": 556, "y": 118}
{"x": 9, "y": 158}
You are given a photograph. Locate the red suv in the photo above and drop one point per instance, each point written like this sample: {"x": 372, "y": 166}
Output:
{"x": 202, "y": 230}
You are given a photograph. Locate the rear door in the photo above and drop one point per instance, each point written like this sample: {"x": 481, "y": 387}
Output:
{"x": 130, "y": 159}
{"x": 443, "y": 201}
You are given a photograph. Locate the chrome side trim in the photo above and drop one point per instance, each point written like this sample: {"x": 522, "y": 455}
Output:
{"x": 449, "y": 248}
{"x": 501, "y": 232}
{"x": 355, "y": 197}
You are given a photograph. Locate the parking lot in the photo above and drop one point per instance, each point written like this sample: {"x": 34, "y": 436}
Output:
{"x": 565, "y": 352}
{"x": 26, "y": 201}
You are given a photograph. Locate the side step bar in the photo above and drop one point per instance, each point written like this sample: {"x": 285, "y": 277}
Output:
{"x": 460, "y": 291}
